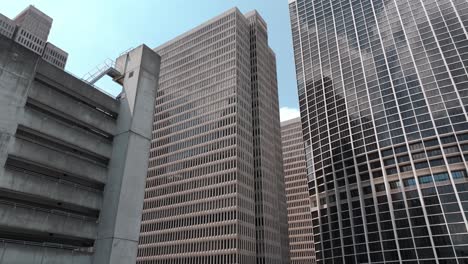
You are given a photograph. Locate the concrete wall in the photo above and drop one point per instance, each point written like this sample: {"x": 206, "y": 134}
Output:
{"x": 73, "y": 160}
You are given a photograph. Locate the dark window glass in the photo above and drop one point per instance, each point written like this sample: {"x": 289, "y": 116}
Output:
{"x": 405, "y": 243}
{"x": 449, "y": 198}
{"x": 459, "y": 174}
{"x": 439, "y": 230}
{"x": 426, "y": 253}
{"x": 411, "y": 194}
{"x": 386, "y": 235}
{"x": 402, "y": 159}
{"x": 420, "y": 231}
{"x": 445, "y": 188}
{"x": 416, "y": 212}
{"x": 409, "y": 182}
{"x": 441, "y": 240}
{"x": 387, "y": 245}
{"x": 408, "y": 254}
{"x": 390, "y": 255}
{"x": 418, "y": 221}
{"x": 399, "y": 205}
{"x": 429, "y": 191}
{"x": 445, "y": 252}
{"x": 454, "y": 218}
{"x": 422, "y": 242}
{"x": 450, "y": 139}
{"x": 397, "y": 196}
{"x": 457, "y": 228}
{"x": 421, "y": 165}
{"x": 403, "y": 233}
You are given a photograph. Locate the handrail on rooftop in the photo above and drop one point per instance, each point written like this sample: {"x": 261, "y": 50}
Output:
{"x": 94, "y": 75}
{"x": 108, "y": 67}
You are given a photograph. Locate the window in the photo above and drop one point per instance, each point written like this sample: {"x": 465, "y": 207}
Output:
{"x": 421, "y": 165}
{"x": 425, "y": 179}
{"x": 380, "y": 187}
{"x": 403, "y": 158}
{"x": 455, "y": 159}
{"x": 459, "y": 174}
{"x": 447, "y": 140}
{"x": 431, "y": 143}
{"x": 437, "y": 162}
{"x": 409, "y": 182}
{"x": 441, "y": 177}
{"x": 394, "y": 185}
{"x": 391, "y": 171}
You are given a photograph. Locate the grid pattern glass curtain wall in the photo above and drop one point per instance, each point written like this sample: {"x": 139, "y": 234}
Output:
{"x": 383, "y": 91}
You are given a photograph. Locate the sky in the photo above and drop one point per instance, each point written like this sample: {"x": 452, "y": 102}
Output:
{"x": 92, "y": 31}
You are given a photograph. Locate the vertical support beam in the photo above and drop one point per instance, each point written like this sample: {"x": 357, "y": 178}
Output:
{"x": 119, "y": 226}
{"x": 17, "y": 69}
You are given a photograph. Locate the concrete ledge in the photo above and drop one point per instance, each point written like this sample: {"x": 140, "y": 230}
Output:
{"x": 43, "y": 123}
{"x": 46, "y": 187}
{"x": 66, "y": 104}
{"x": 35, "y": 220}
{"x": 76, "y": 87}
{"x": 20, "y": 254}
{"x": 58, "y": 160}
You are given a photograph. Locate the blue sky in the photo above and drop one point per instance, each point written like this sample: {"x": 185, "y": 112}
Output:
{"x": 94, "y": 30}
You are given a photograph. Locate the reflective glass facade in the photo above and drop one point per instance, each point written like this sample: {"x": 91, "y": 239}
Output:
{"x": 212, "y": 193}
{"x": 383, "y": 93}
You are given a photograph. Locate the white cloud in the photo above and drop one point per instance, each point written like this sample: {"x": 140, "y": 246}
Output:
{"x": 287, "y": 113}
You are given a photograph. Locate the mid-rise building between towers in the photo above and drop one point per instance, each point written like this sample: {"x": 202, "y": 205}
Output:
{"x": 301, "y": 244}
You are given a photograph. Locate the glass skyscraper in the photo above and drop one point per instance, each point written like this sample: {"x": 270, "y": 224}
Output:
{"x": 215, "y": 189}
{"x": 383, "y": 93}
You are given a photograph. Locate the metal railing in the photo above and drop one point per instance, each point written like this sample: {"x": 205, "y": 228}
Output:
{"x": 95, "y": 74}
{"x": 94, "y": 86}
{"x": 102, "y": 69}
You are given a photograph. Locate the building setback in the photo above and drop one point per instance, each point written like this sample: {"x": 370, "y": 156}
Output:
{"x": 72, "y": 159}
{"x": 383, "y": 93}
{"x": 301, "y": 243}
{"x": 203, "y": 203}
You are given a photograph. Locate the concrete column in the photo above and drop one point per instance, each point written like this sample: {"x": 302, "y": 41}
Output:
{"x": 119, "y": 226}
{"x": 17, "y": 69}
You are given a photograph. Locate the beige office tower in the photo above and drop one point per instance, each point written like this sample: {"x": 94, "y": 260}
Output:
{"x": 301, "y": 242}
{"x": 272, "y": 235}
{"x": 34, "y": 21}
{"x": 30, "y": 29}
{"x": 201, "y": 193}
{"x": 33, "y": 27}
